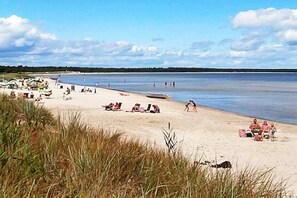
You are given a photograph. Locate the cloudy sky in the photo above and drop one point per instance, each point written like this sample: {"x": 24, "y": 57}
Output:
{"x": 149, "y": 33}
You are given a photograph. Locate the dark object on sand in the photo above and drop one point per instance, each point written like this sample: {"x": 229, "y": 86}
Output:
{"x": 225, "y": 164}
{"x": 159, "y": 96}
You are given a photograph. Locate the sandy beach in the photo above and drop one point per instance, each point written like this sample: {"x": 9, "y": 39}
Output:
{"x": 207, "y": 134}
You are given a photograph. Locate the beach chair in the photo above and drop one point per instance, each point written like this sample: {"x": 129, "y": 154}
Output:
{"x": 48, "y": 94}
{"x": 148, "y": 108}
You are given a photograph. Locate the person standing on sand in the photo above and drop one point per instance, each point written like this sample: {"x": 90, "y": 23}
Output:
{"x": 194, "y": 105}
{"x": 272, "y": 131}
{"x": 187, "y": 106}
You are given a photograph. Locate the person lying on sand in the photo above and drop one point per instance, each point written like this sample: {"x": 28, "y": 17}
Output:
{"x": 136, "y": 108}
{"x": 108, "y": 107}
{"x": 39, "y": 98}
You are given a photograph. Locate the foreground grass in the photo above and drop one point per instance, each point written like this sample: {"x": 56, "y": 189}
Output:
{"x": 40, "y": 156}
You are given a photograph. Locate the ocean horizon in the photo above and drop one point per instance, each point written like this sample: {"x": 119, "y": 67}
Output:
{"x": 271, "y": 96}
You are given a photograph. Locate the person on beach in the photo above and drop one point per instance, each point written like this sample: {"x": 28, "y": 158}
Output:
{"x": 265, "y": 129}
{"x": 255, "y": 127}
{"x": 194, "y": 105}
{"x": 136, "y": 108}
{"x": 116, "y": 106}
{"x": 39, "y": 98}
{"x": 67, "y": 92}
{"x": 109, "y": 106}
{"x": 156, "y": 109}
{"x": 31, "y": 95}
{"x": 272, "y": 131}
{"x": 187, "y": 106}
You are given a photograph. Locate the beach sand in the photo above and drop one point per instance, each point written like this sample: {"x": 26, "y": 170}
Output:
{"x": 207, "y": 134}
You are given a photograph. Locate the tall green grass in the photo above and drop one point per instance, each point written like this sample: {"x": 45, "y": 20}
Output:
{"x": 42, "y": 156}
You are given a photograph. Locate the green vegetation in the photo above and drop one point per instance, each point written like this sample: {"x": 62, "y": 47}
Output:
{"x": 42, "y": 157}
{"x": 8, "y": 76}
{"x": 51, "y": 69}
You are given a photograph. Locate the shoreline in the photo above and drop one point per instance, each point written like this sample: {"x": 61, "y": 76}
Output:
{"x": 183, "y": 102}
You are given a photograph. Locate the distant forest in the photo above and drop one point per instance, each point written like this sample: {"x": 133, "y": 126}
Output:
{"x": 43, "y": 69}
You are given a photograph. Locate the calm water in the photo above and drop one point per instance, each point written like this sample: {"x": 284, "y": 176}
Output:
{"x": 271, "y": 96}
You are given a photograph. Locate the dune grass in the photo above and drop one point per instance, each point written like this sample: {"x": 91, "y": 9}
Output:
{"x": 8, "y": 76}
{"x": 41, "y": 156}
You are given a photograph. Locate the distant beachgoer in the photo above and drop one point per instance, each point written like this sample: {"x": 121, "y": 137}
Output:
{"x": 194, "y": 105}
{"x": 12, "y": 94}
{"x": 265, "y": 129}
{"x": 136, "y": 108}
{"x": 173, "y": 84}
{"x": 67, "y": 92}
{"x": 108, "y": 107}
{"x": 97, "y": 84}
{"x": 165, "y": 83}
{"x": 255, "y": 127}
{"x": 187, "y": 106}
{"x": 31, "y": 95}
{"x": 156, "y": 109}
{"x": 39, "y": 98}
{"x": 272, "y": 131}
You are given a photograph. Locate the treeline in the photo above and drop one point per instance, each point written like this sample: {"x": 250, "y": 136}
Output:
{"x": 20, "y": 68}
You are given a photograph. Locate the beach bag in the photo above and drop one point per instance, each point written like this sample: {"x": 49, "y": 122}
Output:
{"x": 258, "y": 138}
{"x": 249, "y": 134}
{"x": 266, "y": 135}
{"x": 242, "y": 133}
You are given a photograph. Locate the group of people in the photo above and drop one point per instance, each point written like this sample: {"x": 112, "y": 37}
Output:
{"x": 112, "y": 106}
{"x": 264, "y": 130}
{"x": 138, "y": 108}
{"x": 191, "y": 103}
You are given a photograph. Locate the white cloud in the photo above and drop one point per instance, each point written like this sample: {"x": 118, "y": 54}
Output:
{"x": 270, "y": 17}
{"x": 17, "y": 33}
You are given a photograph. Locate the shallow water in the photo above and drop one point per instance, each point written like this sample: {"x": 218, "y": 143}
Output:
{"x": 271, "y": 96}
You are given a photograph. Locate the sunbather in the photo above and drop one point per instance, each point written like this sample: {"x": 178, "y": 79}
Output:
{"x": 156, "y": 109}
{"x": 117, "y": 106}
{"x": 39, "y": 98}
{"x": 136, "y": 107}
{"x": 108, "y": 107}
{"x": 265, "y": 129}
{"x": 255, "y": 127}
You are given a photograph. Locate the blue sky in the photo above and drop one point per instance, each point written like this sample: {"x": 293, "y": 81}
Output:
{"x": 130, "y": 33}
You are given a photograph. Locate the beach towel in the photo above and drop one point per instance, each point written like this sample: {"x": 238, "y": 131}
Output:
{"x": 242, "y": 133}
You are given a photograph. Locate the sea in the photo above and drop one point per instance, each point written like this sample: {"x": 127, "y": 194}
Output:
{"x": 271, "y": 96}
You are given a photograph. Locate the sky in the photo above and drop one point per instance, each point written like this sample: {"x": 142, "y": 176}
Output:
{"x": 149, "y": 33}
